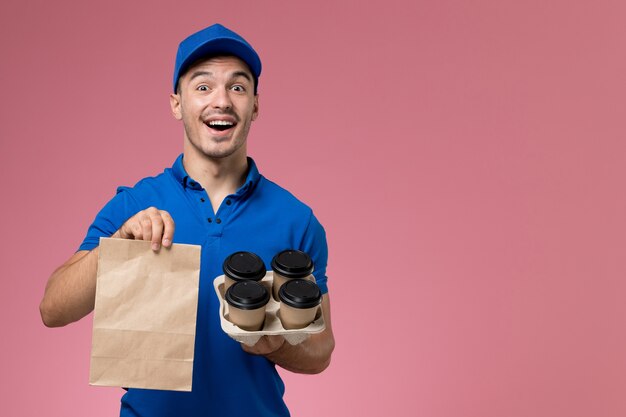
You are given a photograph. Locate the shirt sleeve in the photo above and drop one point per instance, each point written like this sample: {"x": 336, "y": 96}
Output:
{"x": 119, "y": 209}
{"x": 314, "y": 243}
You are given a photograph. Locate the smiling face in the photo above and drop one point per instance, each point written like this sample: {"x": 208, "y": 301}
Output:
{"x": 216, "y": 102}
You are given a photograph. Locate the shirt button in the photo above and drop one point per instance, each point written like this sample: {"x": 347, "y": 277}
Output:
{"x": 209, "y": 220}
{"x": 228, "y": 202}
{"x": 218, "y": 221}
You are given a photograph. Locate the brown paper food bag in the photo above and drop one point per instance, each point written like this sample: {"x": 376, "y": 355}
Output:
{"x": 144, "y": 323}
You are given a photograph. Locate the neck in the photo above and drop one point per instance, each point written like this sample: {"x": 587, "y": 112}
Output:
{"x": 218, "y": 176}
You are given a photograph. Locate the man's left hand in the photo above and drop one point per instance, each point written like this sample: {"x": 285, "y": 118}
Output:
{"x": 265, "y": 345}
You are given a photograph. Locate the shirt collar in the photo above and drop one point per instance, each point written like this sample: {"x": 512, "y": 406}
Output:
{"x": 252, "y": 178}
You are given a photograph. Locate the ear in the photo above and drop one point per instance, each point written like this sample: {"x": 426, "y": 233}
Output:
{"x": 175, "y": 106}
{"x": 255, "y": 112}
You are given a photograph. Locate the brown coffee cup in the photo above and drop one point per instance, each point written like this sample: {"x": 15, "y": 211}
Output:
{"x": 242, "y": 266}
{"x": 246, "y": 304}
{"x": 299, "y": 301}
{"x": 287, "y": 265}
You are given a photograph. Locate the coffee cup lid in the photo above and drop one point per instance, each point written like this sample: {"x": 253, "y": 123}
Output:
{"x": 242, "y": 266}
{"x": 292, "y": 263}
{"x": 247, "y": 295}
{"x": 300, "y": 293}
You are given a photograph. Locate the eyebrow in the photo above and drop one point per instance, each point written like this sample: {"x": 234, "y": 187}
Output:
{"x": 199, "y": 74}
{"x": 241, "y": 74}
{"x": 210, "y": 74}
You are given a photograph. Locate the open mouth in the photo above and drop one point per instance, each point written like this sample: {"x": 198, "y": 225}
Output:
{"x": 221, "y": 125}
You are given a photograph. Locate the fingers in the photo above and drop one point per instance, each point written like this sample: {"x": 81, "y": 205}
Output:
{"x": 146, "y": 226}
{"x": 266, "y": 345}
{"x": 168, "y": 228}
{"x": 151, "y": 224}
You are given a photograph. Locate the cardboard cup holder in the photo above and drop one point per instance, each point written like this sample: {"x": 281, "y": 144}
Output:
{"x": 272, "y": 325}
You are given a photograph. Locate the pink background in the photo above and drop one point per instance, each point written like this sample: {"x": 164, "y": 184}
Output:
{"x": 466, "y": 158}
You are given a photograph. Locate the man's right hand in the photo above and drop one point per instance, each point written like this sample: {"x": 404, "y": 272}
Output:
{"x": 71, "y": 290}
{"x": 150, "y": 224}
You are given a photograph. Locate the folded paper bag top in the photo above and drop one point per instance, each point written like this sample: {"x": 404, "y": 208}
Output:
{"x": 144, "y": 321}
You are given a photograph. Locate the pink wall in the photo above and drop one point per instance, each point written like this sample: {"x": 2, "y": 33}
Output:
{"x": 466, "y": 158}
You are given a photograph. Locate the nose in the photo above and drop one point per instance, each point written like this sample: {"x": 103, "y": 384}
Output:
{"x": 221, "y": 99}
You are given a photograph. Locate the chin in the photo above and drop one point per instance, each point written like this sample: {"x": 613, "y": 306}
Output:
{"x": 219, "y": 153}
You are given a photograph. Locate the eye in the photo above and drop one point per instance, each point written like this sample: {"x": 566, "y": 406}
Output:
{"x": 238, "y": 88}
{"x": 202, "y": 87}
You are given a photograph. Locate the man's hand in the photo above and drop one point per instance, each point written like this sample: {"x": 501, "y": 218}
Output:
{"x": 265, "y": 345}
{"x": 150, "y": 224}
{"x": 309, "y": 357}
{"x": 71, "y": 290}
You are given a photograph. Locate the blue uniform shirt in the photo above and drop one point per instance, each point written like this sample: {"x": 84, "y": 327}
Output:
{"x": 260, "y": 217}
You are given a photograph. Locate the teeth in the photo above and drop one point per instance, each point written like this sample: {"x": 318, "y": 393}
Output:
{"x": 220, "y": 123}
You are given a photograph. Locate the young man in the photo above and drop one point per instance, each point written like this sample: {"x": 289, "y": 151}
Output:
{"x": 212, "y": 196}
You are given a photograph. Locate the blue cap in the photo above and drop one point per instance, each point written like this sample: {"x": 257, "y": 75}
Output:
{"x": 212, "y": 41}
